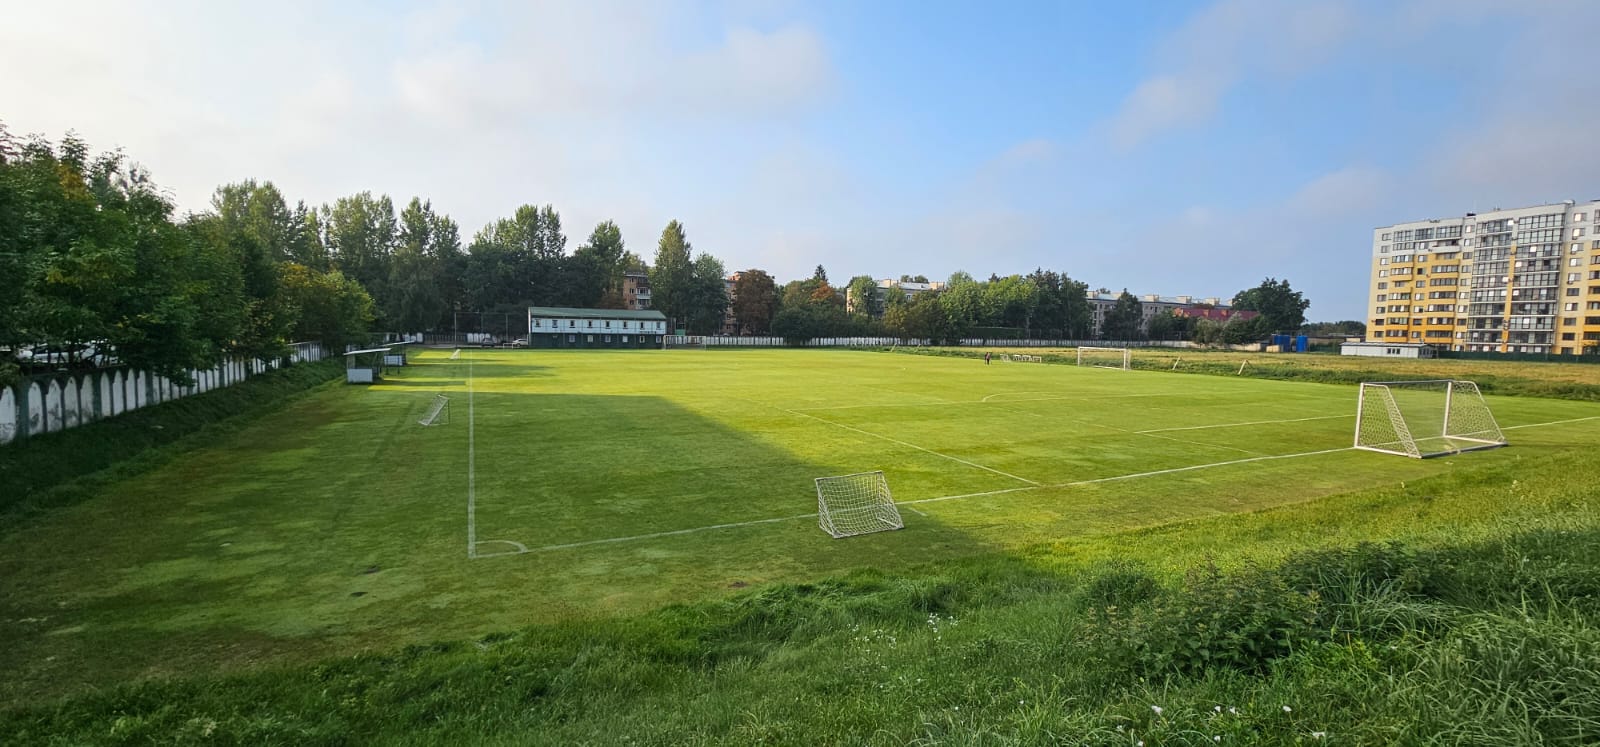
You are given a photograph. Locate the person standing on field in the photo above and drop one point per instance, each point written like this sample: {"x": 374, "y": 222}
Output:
{"x": 986, "y": 358}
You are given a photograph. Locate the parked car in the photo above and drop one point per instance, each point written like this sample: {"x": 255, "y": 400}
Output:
{"x": 84, "y": 353}
{"x": 520, "y": 342}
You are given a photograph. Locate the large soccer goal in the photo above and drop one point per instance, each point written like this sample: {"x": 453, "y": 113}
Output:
{"x": 438, "y": 412}
{"x": 849, "y": 505}
{"x": 1105, "y": 357}
{"x": 1422, "y": 419}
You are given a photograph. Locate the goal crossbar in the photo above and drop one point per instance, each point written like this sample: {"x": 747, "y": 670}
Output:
{"x": 1424, "y": 418}
{"x": 848, "y": 505}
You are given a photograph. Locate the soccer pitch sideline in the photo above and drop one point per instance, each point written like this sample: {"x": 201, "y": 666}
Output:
{"x": 569, "y": 485}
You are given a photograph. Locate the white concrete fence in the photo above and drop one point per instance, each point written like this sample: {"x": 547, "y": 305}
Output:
{"x": 55, "y": 402}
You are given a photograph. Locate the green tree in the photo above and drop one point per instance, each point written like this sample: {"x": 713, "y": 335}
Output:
{"x": 1124, "y": 320}
{"x": 672, "y": 275}
{"x": 361, "y": 232}
{"x": 595, "y": 270}
{"x": 416, "y": 299}
{"x": 1063, "y": 308}
{"x": 1282, "y": 308}
{"x": 1011, "y": 301}
{"x": 329, "y": 307}
{"x": 706, "y": 298}
{"x": 864, "y": 296}
{"x": 754, "y": 302}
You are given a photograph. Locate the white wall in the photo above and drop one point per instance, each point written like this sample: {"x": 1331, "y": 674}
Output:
{"x": 46, "y": 404}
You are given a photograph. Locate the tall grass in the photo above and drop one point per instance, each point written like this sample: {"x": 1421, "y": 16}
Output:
{"x": 1487, "y": 642}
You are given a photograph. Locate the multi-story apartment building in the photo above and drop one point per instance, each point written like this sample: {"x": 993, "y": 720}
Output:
{"x": 730, "y": 323}
{"x": 1522, "y": 280}
{"x": 635, "y": 291}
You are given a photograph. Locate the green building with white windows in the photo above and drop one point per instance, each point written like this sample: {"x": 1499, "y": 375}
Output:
{"x": 558, "y": 327}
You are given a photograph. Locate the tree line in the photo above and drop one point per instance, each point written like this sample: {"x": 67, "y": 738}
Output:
{"x": 91, "y": 249}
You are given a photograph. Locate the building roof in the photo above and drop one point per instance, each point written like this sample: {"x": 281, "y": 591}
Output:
{"x": 571, "y": 313}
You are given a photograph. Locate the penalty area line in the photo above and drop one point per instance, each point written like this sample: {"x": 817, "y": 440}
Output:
{"x": 914, "y": 446}
{"x": 1235, "y": 425}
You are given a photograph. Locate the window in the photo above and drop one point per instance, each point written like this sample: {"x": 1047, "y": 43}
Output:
{"x": 1385, "y": 286}
{"x": 591, "y": 322}
{"x": 608, "y": 325}
{"x": 572, "y": 338}
{"x": 572, "y": 323}
{"x": 1386, "y": 237}
{"x": 624, "y": 326}
{"x": 608, "y": 338}
{"x": 658, "y": 338}
{"x": 1569, "y": 322}
{"x": 1383, "y": 260}
{"x": 1573, "y": 306}
{"x": 588, "y": 338}
{"x": 624, "y": 337}
{"x": 1577, "y": 232}
{"x": 1383, "y": 273}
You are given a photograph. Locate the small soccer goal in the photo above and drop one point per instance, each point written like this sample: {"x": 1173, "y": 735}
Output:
{"x": 1105, "y": 357}
{"x": 438, "y": 412}
{"x": 849, "y": 505}
{"x": 1422, "y": 419}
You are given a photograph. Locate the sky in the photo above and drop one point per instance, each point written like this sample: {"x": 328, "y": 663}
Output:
{"x": 1175, "y": 147}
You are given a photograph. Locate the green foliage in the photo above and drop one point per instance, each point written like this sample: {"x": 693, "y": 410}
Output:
{"x": 1124, "y": 320}
{"x": 672, "y": 274}
{"x": 1282, "y": 308}
{"x": 755, "y": 302}
{"x": 865, "y": 297}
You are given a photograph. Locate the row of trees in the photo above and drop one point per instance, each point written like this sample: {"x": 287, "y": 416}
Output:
{"x": 90, "y": 251}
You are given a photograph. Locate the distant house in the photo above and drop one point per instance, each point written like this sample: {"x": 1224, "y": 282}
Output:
{"x": 1215, "y": 313}
{"x": 557, "y": 327}
{"x": 1101, "y": 301}
{"x": 635, "y": 291}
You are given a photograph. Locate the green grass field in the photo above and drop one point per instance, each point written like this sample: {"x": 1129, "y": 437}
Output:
{"x": 572, "y": 486}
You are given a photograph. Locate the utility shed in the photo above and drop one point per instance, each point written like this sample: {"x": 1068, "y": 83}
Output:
{"x": 364, "y": 366}
{"x": 1387, "y": 349}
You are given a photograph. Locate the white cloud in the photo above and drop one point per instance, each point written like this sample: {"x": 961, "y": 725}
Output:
{"x": 1216, "y": 49}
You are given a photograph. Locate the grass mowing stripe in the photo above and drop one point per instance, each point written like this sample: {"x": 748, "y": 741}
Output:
{"x": 1235, "y": 425}
{"x": 472, "y": 488}
{"x": 914, "y": 446}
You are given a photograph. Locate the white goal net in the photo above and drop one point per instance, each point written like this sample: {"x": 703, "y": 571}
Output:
{"x": 1421, "y": 419}
{"x": 849, "y": 505}
{"x": 438, "y": 412}
{"x": 1105, "y": 357}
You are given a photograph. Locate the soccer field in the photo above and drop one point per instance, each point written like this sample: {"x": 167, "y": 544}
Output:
{"x": 567, "y": 485}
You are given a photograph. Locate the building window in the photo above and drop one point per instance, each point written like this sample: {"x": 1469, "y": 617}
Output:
{"x": 658, "y": 338}
{"x": 572, "y": 338}
{"x": 608, "y": 324}
{"x": 572, "y": 323}
{"x": 588, "y": 338}
{"x": 608, "y": 338}
{"x": 624, "y": 337}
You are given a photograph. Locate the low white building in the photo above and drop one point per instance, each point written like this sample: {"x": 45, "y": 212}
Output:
{"x": 1387, "y": 349}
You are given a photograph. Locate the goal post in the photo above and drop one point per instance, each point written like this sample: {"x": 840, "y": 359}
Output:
{"x": 848, "y": 505}
{"x": 1422, "y": 419}
{"x": 1105, "y": 357}
{"x": 438, "y": 412}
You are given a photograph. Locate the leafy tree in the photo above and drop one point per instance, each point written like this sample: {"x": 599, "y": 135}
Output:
{"x": 329, "y": 307}
{"x": 1282, "y": 308}
{"x": 672, "y": 277}
{"x": 754, "y": 302}
{"x": 920, "y": 318}
{"x": 1347, "y": 328}
{"x": 1124, "y": 320}
{"x": 416, "y": 300}
{"x": 864, "y": 295}
{"x": 959, "y": 277}
{"x": 361, "y": 233}
{"x": 1063, "y": 309}
{"x": 820, "y": 275}
{"x": 913, "y": 278}
{"x": 1011, "y": 301}
{"x": 964, "y": 305}
{"x": 706, "y": 297}
{"x": 1166, "y": 325}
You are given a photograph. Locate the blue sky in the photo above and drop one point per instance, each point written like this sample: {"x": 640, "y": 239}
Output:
{"x": 1173, "y": 147}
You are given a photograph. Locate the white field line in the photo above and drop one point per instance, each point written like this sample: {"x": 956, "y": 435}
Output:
{"x": 985, "y": 400}
{"x": 1114, "y": 478}
{"x": 1197, "y": 443}
{"x": 1553, "y": 422}
{"x": 914, "y": 446}
{"x": 472, "y": 477}
{"x": 1236, "y": 425}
